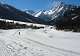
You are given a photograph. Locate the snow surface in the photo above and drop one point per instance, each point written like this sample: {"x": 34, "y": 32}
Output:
{"x": 39, "y": 42}
{"x": 38, "y": 14}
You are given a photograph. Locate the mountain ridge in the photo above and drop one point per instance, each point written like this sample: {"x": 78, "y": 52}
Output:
{"x": 11, "y": 13}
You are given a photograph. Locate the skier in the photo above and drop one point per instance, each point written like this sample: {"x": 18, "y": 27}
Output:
{"x": 19, "y": 33}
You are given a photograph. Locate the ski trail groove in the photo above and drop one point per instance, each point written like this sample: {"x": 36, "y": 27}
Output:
{"x": 49, "y": 46}
{"x": 52, "y": 47}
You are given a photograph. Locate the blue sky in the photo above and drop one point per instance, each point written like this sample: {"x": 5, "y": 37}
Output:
{"x": 34, "y": 4}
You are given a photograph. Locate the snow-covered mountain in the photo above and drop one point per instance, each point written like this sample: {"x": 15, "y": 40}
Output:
{"x": 52, "y": 13}
{"x": 43, "y": 15}
{"x": 31, "y": 12}
{"x": 57, "y": 13}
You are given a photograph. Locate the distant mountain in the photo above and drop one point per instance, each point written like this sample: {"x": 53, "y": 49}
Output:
{"x": 51, "y": 14}
{"x": 11, "y": 13}
{"x": 62, "y": 14}
{"x": 68, "y": 17}
{"x": 31, "y": 12}
{"x": 41, "y": 14}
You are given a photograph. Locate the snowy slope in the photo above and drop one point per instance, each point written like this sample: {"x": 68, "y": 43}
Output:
{"x": 19, "y": 22}
{"x": 39, "y": 13}
{"x": 31, "y": 12}
{"x": 41, "y": 42}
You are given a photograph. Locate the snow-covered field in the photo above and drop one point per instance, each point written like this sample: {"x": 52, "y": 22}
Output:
{"x": 39, "y": 42}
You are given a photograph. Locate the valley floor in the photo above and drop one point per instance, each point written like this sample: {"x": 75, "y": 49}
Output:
{"x": 39, "y": 42}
